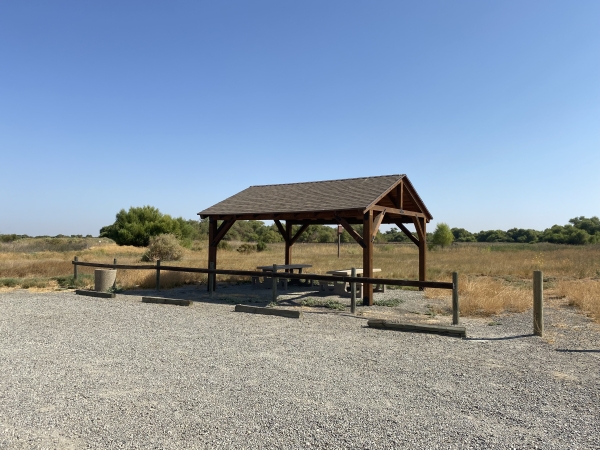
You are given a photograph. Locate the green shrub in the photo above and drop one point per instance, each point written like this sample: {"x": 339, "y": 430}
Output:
{"x": 224, "y": 245}
{"x": 323, "y": 303}
{"x": 27, "y": 283}
{"x": 261, "y": 246}
{"x": 68, "y": 281}
{"x": 165, "y": 247}
{"x": 246, "y": 248}
{"x": 12, "y": 237}
{"x": 9, "y": 282}
{"x": 389, "y": 303}
{"x": 138, "y": 225}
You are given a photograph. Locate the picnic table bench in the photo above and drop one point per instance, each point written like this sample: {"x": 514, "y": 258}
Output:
{"x": 343, "y": 288}
{"x": 282, "y": 282}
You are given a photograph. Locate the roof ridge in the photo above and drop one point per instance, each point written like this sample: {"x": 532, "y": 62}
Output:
{"x": 329, "y": 181}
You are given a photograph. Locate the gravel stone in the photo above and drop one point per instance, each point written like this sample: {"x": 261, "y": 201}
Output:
{"x": 83, "y": 372}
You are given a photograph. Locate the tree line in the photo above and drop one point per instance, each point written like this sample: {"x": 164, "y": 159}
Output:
{"x": 579, "y": 231}
{"x": 136, "y": 226}
{"x": 139, "y": 224}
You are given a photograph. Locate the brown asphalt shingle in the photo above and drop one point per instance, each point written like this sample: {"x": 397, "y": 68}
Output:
{"x": 332, "y": 195}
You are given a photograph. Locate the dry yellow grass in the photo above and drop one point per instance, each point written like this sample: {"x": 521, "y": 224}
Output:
{"x": 493, "y": 278}
{"x": 584, "y": 294}
{"x": 484, "y": 296}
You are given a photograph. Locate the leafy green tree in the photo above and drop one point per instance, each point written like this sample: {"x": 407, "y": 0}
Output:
{"x": 522, "y": 235}
{"x": 493, "y": 236}
{"x": 395, "y": 235}
{"x": 462, "y": 235}
{"x": 136, "y": 226}
{"x": 566, "y": 234}
{"x": 442, "y": 236}
{"x": 590, "y": 226}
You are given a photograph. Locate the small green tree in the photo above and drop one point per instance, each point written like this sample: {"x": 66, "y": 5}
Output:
{"x": 136, "y": 226}
{"x": 442, "y": 236}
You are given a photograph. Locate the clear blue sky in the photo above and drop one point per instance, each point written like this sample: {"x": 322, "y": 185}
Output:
{"x": 492, "y": 109}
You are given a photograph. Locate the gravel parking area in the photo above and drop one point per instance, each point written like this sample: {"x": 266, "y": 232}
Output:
{"x": 83, "y": 372}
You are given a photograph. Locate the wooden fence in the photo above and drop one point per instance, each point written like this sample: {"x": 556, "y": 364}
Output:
{"x": 300, "y": 276}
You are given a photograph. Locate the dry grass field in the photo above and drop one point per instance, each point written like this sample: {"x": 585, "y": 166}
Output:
{"x": 492, "y": 277}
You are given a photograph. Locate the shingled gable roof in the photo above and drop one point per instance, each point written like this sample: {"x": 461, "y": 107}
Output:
{"x": 318, "y": 196}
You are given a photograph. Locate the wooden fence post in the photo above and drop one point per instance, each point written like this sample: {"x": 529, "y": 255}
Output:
{"x": 211, "y": 280}
{"x": 115, "y": 283}
{"x": 353, "y": 290}
{"x": 455, "y": 309}
{"x": 158, "y": 275}
{"x": 538, "y": 303}
{"x": 274, "y": 283}
{"x": 75, "y": 274}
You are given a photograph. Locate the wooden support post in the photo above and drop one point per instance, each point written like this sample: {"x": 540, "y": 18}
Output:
{"x": 368, "y": 257}
{"x": 212, "y": 247}
{"x": 455, "y": 309}
{"x": 274, "y": 283}
{"x": 75, "y": 272}
{"x": 353, "y": 291}
{"x": 538, "y": 303}
{"x": 420, "y": 225}
{"x": 288, "y": 243}
{"x": 158, "y": 275}
{"x": 211, "y": 281}
{"x": 115, "y": 283}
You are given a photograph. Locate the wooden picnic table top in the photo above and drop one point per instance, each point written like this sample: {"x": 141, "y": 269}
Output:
{"x": 349, "y": 271}
{"x": 284, "y": 267}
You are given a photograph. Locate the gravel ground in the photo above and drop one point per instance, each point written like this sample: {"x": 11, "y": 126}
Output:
{"x": 84, "y": 372}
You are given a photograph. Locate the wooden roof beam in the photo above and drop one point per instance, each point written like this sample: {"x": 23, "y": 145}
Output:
{"x": 298, "y": 216}
{"x": 298, "y": 233}
{"x": 407, "y": 232}
{"x": 400, "y": 212}
{"x": 386, "y": 192}
{"x": 377, "y": 224}
{"x": 222, "y": 230}
{"x": 351, "y": 231}
{"x": 281, "y": 230}
{"x": 419, "y": 229}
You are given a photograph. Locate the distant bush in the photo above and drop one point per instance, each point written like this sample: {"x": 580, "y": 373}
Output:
{"x": 12, "y": 237}
{"x": 246, "y": 248}
{"x": 224, "y": 245}
{"x": 165, "y": 247}
{"x": 261, "y": 246}
{"x": 48, "y": 244}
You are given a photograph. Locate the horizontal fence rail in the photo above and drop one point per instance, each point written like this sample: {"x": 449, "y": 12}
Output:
{"x": 270, "y": 274}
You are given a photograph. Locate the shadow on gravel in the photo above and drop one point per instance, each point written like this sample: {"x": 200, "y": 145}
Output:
{"x": 567, "y": 350}
{"x": 504, "y": 338}
{"x": 224, "y": 295}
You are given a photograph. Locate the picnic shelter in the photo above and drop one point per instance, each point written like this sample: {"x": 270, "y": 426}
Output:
{"x": 369, "y": 201}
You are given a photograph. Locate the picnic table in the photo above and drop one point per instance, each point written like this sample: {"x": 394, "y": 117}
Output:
{"x": 283, "y": 282}
{"x": 342, "y": 288}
